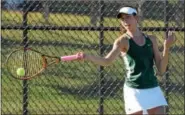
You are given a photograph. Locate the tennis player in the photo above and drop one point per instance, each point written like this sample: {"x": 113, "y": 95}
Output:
{"x": 142, "y": 93}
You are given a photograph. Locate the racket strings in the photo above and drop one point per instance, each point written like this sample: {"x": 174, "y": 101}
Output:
{"x": 33, "y": 62}
{"x": 15, "y": 61}
{"x": 29, "y": 60}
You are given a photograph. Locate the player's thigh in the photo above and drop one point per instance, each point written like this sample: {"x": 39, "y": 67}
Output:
{"x": 137, "y": 113}
{"x": 157, "y": 110}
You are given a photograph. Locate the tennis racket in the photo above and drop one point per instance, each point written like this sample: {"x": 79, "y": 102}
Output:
{"x": 33, "y": 62}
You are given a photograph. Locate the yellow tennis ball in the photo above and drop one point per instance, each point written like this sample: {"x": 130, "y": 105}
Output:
{"x": 20, "y": 72}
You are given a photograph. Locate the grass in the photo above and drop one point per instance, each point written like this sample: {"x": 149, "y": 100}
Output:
{"x": 61, "y": 19}
{"x": 79, "y": 37}
{"x": 72, "y": 88}
{"x": 61, "y": 89}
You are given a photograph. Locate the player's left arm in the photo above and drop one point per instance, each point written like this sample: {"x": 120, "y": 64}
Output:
{"x": 161, "y": 61}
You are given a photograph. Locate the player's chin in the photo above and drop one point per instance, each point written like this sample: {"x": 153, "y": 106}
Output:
{"x": 127, "y": 27}
{"x": 130, "y": 28}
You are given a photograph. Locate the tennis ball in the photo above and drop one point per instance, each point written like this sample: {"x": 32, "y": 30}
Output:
{"x": 20, "y": 72}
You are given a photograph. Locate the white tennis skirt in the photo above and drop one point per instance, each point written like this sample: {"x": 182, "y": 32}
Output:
{"x": 142, "y": 99}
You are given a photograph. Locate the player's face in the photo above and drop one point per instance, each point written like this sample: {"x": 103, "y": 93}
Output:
{"x": 129, "y": 22}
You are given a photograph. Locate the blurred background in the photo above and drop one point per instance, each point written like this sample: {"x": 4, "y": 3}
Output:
{"x": 65, "y": 27}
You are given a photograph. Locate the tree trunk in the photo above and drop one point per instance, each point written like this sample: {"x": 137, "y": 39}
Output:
{"x": 140, "y": 12}
{"x": 46, "y": 10}
{"x": 94, "y": 13}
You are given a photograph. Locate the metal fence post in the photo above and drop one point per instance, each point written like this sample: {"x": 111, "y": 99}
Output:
{"x": 101, "y": 48}
{"x": 24, "y": 43}
{"x": 166, "y": 17}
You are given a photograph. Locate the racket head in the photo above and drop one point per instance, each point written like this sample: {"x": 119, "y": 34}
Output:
{"x": 31, "y": 60}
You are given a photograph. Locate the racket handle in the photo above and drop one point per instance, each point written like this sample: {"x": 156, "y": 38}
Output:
{"x": 69, "y": 58}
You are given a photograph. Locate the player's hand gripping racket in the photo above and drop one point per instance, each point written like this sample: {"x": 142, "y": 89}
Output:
{"x": 33, "y": 62}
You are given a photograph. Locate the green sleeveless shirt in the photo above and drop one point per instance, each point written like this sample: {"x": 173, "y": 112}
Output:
{"x": 139, "y": 65}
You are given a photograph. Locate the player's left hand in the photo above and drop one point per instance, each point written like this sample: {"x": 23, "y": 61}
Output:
{"x": 170, "y": 40}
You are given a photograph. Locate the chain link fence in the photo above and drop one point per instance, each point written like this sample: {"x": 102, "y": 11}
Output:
{"x": 67, "y": 27}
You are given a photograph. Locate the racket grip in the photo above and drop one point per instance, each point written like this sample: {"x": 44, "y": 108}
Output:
{"x": 69, "y": 58}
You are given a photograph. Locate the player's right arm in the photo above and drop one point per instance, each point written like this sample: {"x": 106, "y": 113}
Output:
{"x": 120, "y": 44}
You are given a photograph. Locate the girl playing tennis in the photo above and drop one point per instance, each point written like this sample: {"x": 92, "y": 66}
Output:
{"x": 140, "y": 52}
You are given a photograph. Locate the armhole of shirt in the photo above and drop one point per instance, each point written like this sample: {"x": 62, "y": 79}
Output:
{"x": 147, "y": 38}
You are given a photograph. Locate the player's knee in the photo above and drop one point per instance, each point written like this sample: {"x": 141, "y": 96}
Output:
{"x": 157, "y": 111}
{"x": 137, "y": 113}
{"x": 161, "y": 111}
